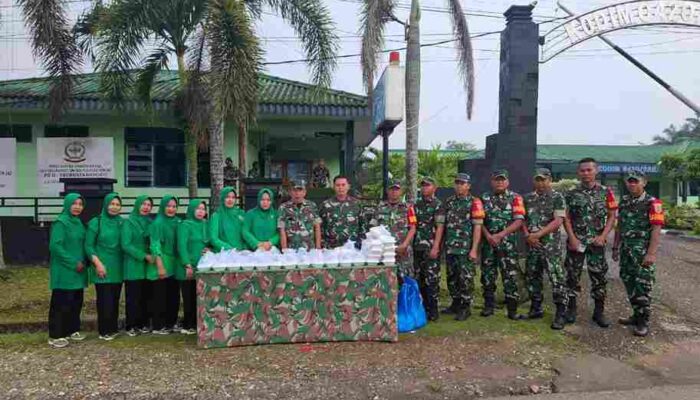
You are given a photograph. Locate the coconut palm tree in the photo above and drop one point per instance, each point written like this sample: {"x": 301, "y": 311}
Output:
{"x": 375, "y": 15}
{"x": 218, "y": 58}
{"x": 690, "y": 130}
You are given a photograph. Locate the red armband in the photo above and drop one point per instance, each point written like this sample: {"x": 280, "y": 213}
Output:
{"x": 477, "y": 210}
{"x": 412, "y": 220}
{"x": 518, "y": 206}
{"x": 656, "y": 212}
{"x": 610, "y": 200}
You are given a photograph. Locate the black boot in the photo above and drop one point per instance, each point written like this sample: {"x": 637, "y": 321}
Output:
{"x": 489, "y": 303}
{"x": 559, "y": 318}
{"x": 571, "y": 311}
{"x": 512, "y": 307}
{"x": 632, "y": 320}
{"x": 599, "y": 314}
{"x": 536, "y": 311}
{"x": 451, "y": 309}
{"x": 642, "y": 327}
{"x": 464, "y": 312}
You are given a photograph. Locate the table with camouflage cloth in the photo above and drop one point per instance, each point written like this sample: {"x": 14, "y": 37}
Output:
{"x": 246, "y": 307}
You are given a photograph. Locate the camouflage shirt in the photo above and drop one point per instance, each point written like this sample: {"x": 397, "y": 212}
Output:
{"x": 541, "y": 210}
{"x": 460, "y": 215}
{"x": 398, "y": 218}
{"x": 430, "y": 214}
{"x": 588, "y": 210}
{"x": 341, "y": 221}
{"x": 319, "y": 177}
{"x": 501, "y": 210}
{"x": 298, "y": 221}
{"x": 637, "y": 215}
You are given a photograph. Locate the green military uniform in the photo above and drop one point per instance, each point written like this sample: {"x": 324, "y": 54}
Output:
{"x": 103, "y": 240}
{"x": 134, "y": 242}
{"x": 462, "y": 216}
{"x": 637, "y": 217}
{"x": 163, "y": 233}
{"x": 261, "y": 225}
{"x": 542, "y": 209}
{"x": 501, "y": 210}
{"x": 429, "y": 215}
{"x": 67, "y": 250}
{"x": 298, "y": 221}
{"x": 341, "y": 221}
{"x": 588, "y": 213}
{"x": 192, "y": 239}
{"x": 226, "y": 225}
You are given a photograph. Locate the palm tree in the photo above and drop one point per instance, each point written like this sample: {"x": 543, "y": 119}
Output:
{"x": 375, "y": 15}
{"x": 690, "y": 130}
{"x": 218, "y": 59}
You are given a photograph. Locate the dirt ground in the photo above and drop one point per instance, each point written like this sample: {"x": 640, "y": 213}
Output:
{"x": 447, "y": 360}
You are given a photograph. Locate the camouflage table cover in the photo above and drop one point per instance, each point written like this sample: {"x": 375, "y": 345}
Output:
{"x": 299, "y": 305}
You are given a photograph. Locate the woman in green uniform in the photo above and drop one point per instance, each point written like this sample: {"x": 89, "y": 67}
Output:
{"x": 67, "y": 273}
{"x": 165, "y": 296}
{"x": 137, "y": 257}
{"x": 227, "y": 223}
{"x": 103, "y": 249}
{"x": 192, "y": 243}
{"x": 260, "y": 227}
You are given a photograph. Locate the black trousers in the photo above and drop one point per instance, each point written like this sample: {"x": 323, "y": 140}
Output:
{"x": 108, "y": 295}
{"x": 137, "y": 294}
{"x": 64, "y": 312}
{"x": 189, "y": 303}
{"x": 173, "y": 302}
{"x": 157, "y": 303}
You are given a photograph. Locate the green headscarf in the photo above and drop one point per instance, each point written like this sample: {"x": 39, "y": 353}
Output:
{"x": 227, "y": 225}
{"x": 135, "y": 217}
{"x": 107, "y": 221}
{"x": 261, "y": 225}
{"x": 66, "y": 217}
{"x": 134, "y": 238}
{"x": 165, "y": 228}
{"x": 192, "y": 238}
{"x": 67, "y": 249}
{"x": 192, "y": 221}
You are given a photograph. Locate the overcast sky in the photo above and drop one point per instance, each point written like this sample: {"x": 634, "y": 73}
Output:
{"x": 588, "y": 95}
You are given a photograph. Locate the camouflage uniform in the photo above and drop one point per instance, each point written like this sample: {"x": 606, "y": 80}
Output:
{"x": 430, "y": 214}
{"x": 501, "y": 210}
{"x": 397, "y": 218}
{"x": 341, "y": 221}
{"x": 298, "y": 221}
{"x": 320, "y": 176}
{"x": 462, "y": 216}
{"x": 542, "y": 209}
{"x": 637, "y": 218}
{"x": 588, "y": 214}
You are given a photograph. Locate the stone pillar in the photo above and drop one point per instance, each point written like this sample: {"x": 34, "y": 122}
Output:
{"x": 515, "y": 145}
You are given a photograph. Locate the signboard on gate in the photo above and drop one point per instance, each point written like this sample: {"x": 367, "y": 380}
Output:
{"x": 8, "y": 167}
{"x": 72, "y": 157}
{"x": 388, "y": 97}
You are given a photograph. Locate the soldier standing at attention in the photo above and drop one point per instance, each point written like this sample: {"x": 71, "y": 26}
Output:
{"x": 636, "y": 241}
{"x": 320, "y": 175}
{"x": 298, "y": 221}
{"x": 546, "y": 210}
{"x": 400, "y": 219}
{"x": 591, "y": 217}
{"x": 426, "y": 245}
{"x": 340, "y": 215}
{"x": 504, "y": 217}
{"x": 464, "y": 215}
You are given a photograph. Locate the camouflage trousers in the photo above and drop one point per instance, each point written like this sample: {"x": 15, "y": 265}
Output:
{"x": 460, "y": 278}
{"x": 404, "y": 264}
{"x": 539, "y": 261}
{"x": 503, "y": 259}
{"x": 428, "y": 274}
{"x": 638, "y": 279}
{"x": 594, "y": 256}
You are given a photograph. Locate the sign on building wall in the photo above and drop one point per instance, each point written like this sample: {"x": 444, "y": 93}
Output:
{"x": 624, "y": 168}
{"x": 8, "y": 167}
{"x": 72, "y": 158}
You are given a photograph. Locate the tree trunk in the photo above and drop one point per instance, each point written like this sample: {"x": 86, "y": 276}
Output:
{"x": 216, "y": 160}
{"x": 242, "y": 151}
{"x": 412, "y": 100}
{"x": 190, "y": 139}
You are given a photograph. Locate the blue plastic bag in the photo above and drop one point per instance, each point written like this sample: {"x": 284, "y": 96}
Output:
{"x": 410, "y": 314}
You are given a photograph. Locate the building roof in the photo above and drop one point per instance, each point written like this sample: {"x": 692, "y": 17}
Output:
{"x": 278, "y": 96}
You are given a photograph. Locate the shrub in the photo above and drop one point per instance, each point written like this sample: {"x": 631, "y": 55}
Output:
{"x": 685, "y": 217}
{"x": 564, "y": 185}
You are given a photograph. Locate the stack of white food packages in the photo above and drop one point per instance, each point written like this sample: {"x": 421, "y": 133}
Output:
{"x": 379, "y": 246}
{"x": 228, "y": 260}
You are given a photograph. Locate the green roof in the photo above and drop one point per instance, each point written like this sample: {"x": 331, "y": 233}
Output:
{"x": 277, "y": 96}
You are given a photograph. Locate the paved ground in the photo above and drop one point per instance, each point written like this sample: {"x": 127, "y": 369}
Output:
{"x": 664, "y": 392}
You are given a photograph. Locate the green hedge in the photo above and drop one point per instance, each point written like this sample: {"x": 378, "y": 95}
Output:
{"x": 684, "y": 217}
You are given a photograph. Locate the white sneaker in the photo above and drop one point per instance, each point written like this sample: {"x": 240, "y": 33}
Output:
{"x": 145, "y": 330}
{"x": 114, "y": 335}
{"x": 58, "y": 343}
{"x": 161, "y": 332}
{"x": 188, "y": 331}
{"x": 77, "y": 337}
{"x": 106, "y": 338}
{"x": 132, "y": 333}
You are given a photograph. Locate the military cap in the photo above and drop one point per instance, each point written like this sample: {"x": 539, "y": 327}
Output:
{"x": 543, "y": 173}
{"x": 635, "y": 174}
{"x": 463, "y": 177}
{"x": 299, "y": 184}
{"x": 395, "y": 184}
{"x": 428, "y": 179}
{"x": 500, "y": 173}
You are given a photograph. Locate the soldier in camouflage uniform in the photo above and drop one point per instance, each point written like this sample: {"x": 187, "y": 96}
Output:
{"x": 341, "y": 216}
{"x": 546, "y": 210}
{"x": 400, "y": 219}
{"x": 426, "y": 245}
{"x": 298, "y": 221}
{"x": 505, "y": 212}
{"x": 464, "y": 216}
{"x": 590, "y": 218}
{"x": 641, "y": 217}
